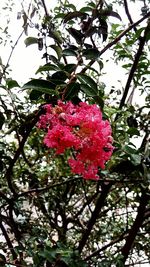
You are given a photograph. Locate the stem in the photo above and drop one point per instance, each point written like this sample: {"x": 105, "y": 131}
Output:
{"x": 99, "y": 204}
{"x": 111, "y": 243}
{"x": 128, "y": 14}
{"x": 9, "y": 171}
{"x": 11, "y": 53}
{"x": 135, "y": 227}
{"x": 109, "y": 45}
{"x": 134, "y": 66}
{"x": 45, "y": 8}
{"x": 8, "y": 241}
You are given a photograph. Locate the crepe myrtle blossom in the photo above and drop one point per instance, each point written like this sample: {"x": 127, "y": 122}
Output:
{"x": 82, "y": 129}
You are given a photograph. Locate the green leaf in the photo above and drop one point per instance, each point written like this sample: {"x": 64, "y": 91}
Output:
{"x": 72, "y": 15}
{"x": 129, "y": 150}
{"x": 12, "y": 83}
{"x": 89, "y": 82}
{"x": 72, "y": 90}
{"x": 99, "y": 101}
{"x": 135, "y": 159}
{"x": 76, "y": 34}
{"x": 108, "y": 12}
{"x": 133, "y": 131}
{"x": 138, "y": 33}
{"x": 41, "y": 86}
{"x": 70, "y": 6}
{"x": 69, "y": 68}
{"x": 35, "y": 95}
{"x": 69, "y": 52}
{"x": 59, "y": 75}
{"x": 58, "y": 50}
{"x": 86, "y": 9}
{"x": 56, "y": 35}
{"x": 91, "y": 53}
{"x": 30, "y": 40}
{"x": 53, "y": 59}
{"x": 2, "y": 120}
{"x": 87, "y": 90}
{"x": 47, "y": 67}
{"x": 103, "y": 29}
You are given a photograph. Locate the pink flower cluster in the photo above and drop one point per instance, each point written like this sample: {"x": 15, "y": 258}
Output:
{"x": 81, "y": 128}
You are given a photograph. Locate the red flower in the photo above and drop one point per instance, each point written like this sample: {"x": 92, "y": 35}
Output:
{"x": 82, "y": 129}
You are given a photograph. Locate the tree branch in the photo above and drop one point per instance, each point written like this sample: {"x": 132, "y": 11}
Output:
{"x": 9, "y": 58}
{"x": 99, "y": 204}
{"x": 45, "y": 8}
{"x": 96, "y": 252}
{"x": 9, "y": 170}
{"x": 128, "y": 14}
{"x": 135, "y": 227}
{"x": 134, "y": 66}
{"x": 118, "y": 38}
{"x": 8, "y": 241}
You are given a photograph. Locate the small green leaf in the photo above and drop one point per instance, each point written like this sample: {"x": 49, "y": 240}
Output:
{"x": 56, "y": 35}
{"x": 135, "y": 159}
{"x": 109, "y": 12}
{"x": 129, "y": 150}
{"x": 86, "y": 9}
{"x": 58, "y": 50}
{"x": 87, "y": 90}
{"x": 86, "y": 80}
{"x": 72, "y": 90}
{"x": 35, "y": 95}
{"x": 53, "y": 59}
{"x": 103, "y": 29}
{"x": 91, "y": 53}
{"x": 71, "y": 6}
{"x": 76, "y": 34}
{"x": 72, "y": 15}
{"x": 12, "y": 83}
{"x": 59, "y": 75}
{"x": 69, "y": 68}
{"x": 30, "y": 40}
{"x": 99, "y": 101}
{"x": 41, "y": 86}
{"x": 133, "y": 131}
{"x": 69, "y": 52}
{"x": 47, "y": 67}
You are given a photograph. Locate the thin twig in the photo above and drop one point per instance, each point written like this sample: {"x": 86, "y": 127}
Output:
{"x": 111, "y": 243}
{"x": 45, "y": 8}
{"x": 135, "y": 227}
{"x": 44, "y": 189}
{"x": 128, "y": 14}
{"x": 118, "y": 38}
{"x": 134, "y": 68}
{"x": 11, "y": 53}
{"x": 95, "y": 214}
{"x": 8, "y": 241}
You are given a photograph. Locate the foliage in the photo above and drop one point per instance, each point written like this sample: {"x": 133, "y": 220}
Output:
{"x": 48, "y": 215}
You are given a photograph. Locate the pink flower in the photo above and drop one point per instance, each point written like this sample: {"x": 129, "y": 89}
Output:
{"x": 60, "y": 137}
{"x": 81, "y": 128}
